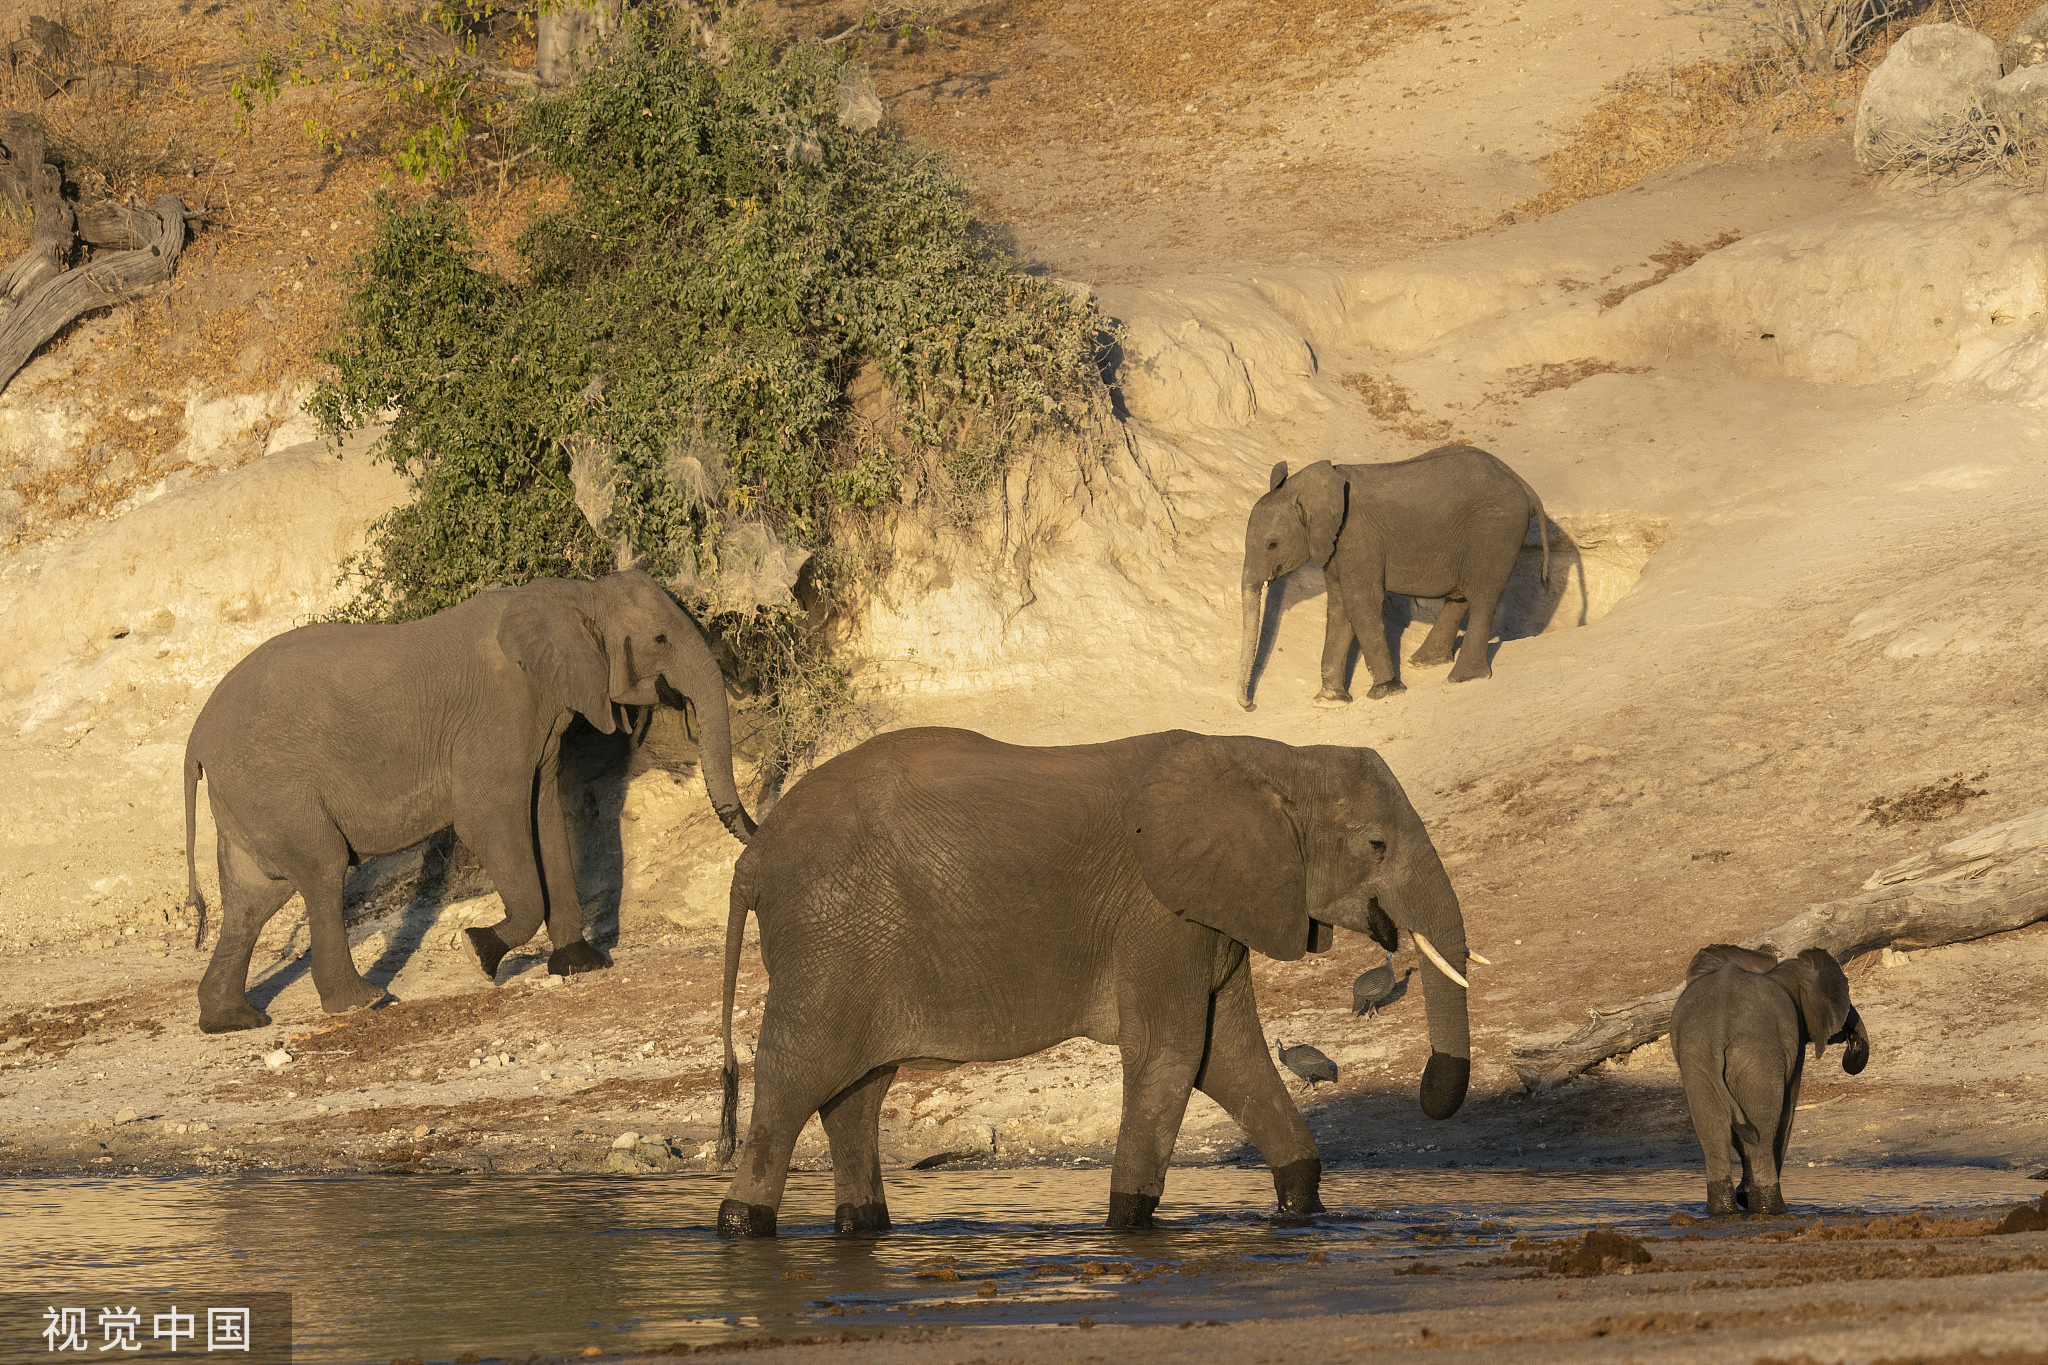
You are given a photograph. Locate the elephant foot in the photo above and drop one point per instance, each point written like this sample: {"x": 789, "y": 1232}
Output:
{"x": 231, "y": 1018}
{"x": 489, "y": 948}
{"x": 1769, "y": 1200}
{"x": 1386, "y": 689}
{"x": 1330, "y": 698}
{"x": 1131, "y": 1210}
{"x": 579, "y": 956}
{"x": 1464, "y": 674}
{"x": 745, "y": 1220}
{"x": 1298, "y": 1185}
{"x": 350, "y": 995}
{"x": 1720, "y": 1198}
{"x": 1431, "y": 660}
{"x": 860, "y": 1217}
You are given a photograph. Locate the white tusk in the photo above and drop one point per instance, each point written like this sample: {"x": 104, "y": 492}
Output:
{"x": 1429, "y": 951}
{"x": 1477, "y": 958}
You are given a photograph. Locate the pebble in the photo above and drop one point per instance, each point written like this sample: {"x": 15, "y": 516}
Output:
{"x": 277, "y": 1059}
{"x": 319, "y": 1108}
{"x": 625, "y": 1142}
{"x": 421, "y": 1131}
{"x": 125, "y": 1116}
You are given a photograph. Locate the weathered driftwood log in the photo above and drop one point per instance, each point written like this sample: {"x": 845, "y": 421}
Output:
{"x": 1909, "y": 914}
{"x": 38, "y": 295}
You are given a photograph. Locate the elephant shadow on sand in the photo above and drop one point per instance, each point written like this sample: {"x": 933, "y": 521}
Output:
{"x": 1583, "y": 584}
{"x": 408, "y": 894}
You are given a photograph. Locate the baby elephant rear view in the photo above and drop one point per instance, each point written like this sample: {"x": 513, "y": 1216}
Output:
{"x": 1739, "y": 1030}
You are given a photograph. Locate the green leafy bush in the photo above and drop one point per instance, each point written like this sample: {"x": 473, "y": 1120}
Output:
{"x": 672, "y": 363}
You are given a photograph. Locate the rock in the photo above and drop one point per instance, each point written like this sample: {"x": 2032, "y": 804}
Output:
{"x": 625, "y": 1142}
{"x": 2026, "y": 1218}
{"x": 1931, "y": 80}
{"x": 1600, "y": 1252}
{"x": 2020, "y": 103}
{"x": 647, "y": 1158}
{"x": 278, "y": 1059}
{"x": 422, "y": 1131}
{"x": 125, "y": 1116}
{"x": 2028, "y": 45}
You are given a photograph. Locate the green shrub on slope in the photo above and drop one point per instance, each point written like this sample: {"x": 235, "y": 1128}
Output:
{"x": 678, "y": 346}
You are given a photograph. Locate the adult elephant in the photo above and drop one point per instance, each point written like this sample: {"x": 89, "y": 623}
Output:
{"x": 334, "y": 743}
{"x": 934, "y": 897}
{"x": 1739, "y": 1031}
{"x": 1446, "y": 524}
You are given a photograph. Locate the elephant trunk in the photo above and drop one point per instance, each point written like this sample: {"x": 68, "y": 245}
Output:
{"x": 704, "y": 684}
{"x": 1450, "y": 1031}
{"x": 1248, "y": 647}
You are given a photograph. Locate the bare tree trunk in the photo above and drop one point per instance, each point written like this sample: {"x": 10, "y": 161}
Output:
{"x": 39, "y": 296}
{"x": 1923, "y": 914}
{"x": 567, "y": 33}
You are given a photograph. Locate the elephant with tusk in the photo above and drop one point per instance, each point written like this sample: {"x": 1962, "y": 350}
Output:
{"x": 934, "y": 897}
{"x": 334, "y": 743}
{"x": 1449, "y": 524}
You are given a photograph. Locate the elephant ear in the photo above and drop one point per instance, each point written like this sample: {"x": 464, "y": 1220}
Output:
{"x": 1323, "y": 497}
{"x": 1816, "y": 982}
{"x": 562, "y": 652}
{"x": 1715, "y": 956}
{"x": 1216, "y": 845}
{"x": 1277, "y": 477}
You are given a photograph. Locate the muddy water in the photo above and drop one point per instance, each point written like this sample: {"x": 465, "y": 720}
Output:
{"x": 389, "y": 1266}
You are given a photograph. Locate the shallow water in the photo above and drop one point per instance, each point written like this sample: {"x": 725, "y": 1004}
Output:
{"x": 385, "y": 1266}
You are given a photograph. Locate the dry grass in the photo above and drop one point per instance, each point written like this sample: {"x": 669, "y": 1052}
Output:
{"x": 1702, "y": 111}
{"x": 1675, "y": 257}
{"x": 1937, "y": 800}
{"x": 1392, "y": 404}
{"x": 141, "y": 108}
{"x": 1718, "y": 110}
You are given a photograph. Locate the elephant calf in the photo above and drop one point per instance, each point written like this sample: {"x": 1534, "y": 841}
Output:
{"x": 1739, "y": 1031}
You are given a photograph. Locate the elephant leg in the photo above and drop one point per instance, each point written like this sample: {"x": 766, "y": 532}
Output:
{"x": 1362, "y": 605}
{"x": 1472, "y": 661}
{"x": 497, "y": 825}
{"x": 320, "y": 873}
{"x": 248, "y": 898}
{"x": 1162, "y": 1046}
{"x": 1713, "y": 1122}
{"x": 1238, "y": 1073}
{"x": 1337, "y": 638}
{"x": 789, "y": 1085}
{"x": 852, "y": 1121}
{"x": 1437, "y": 649}
{"x": 572, "y": 952}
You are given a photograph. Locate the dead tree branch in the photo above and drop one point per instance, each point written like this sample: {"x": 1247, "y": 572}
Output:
{"x": 40, "y": 294}
{"x": 1909, "y": 914}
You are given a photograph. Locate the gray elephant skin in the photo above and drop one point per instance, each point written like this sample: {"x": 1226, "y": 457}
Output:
{"x": 1740, "y": 1030}
{"x": 934, "y": 897}
{"x": 334, "y": 743}
{"x": 1448, "y": 523}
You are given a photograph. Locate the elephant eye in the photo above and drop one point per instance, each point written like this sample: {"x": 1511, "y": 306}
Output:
{"x": 1379, "y": 847}
{"x": 661, "y": 639}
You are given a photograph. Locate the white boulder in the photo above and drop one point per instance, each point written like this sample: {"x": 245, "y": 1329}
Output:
{"x": 1929, "y": 83}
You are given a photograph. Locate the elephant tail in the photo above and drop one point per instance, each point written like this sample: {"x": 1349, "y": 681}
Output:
{"x": 1542, "y": 526}
{"x": 1745, "y": 1130}
{"x": 195, "y": 900}
{"x": 729, "y": 1076}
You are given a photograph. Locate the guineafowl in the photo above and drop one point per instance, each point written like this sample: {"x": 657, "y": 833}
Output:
{"x": 1307, "y": 1063}
{"x": 1378, "y": 987}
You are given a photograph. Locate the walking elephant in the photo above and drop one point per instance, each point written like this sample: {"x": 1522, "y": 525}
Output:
{"x": 935, "y": 897}
{"x": 1739, "y": 1031}
{"x": 334, "y": 743}
{"x": 1447, "y": 524}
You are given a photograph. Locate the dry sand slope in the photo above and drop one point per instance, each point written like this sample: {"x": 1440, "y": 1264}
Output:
{"x": 1800, "y": 481}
